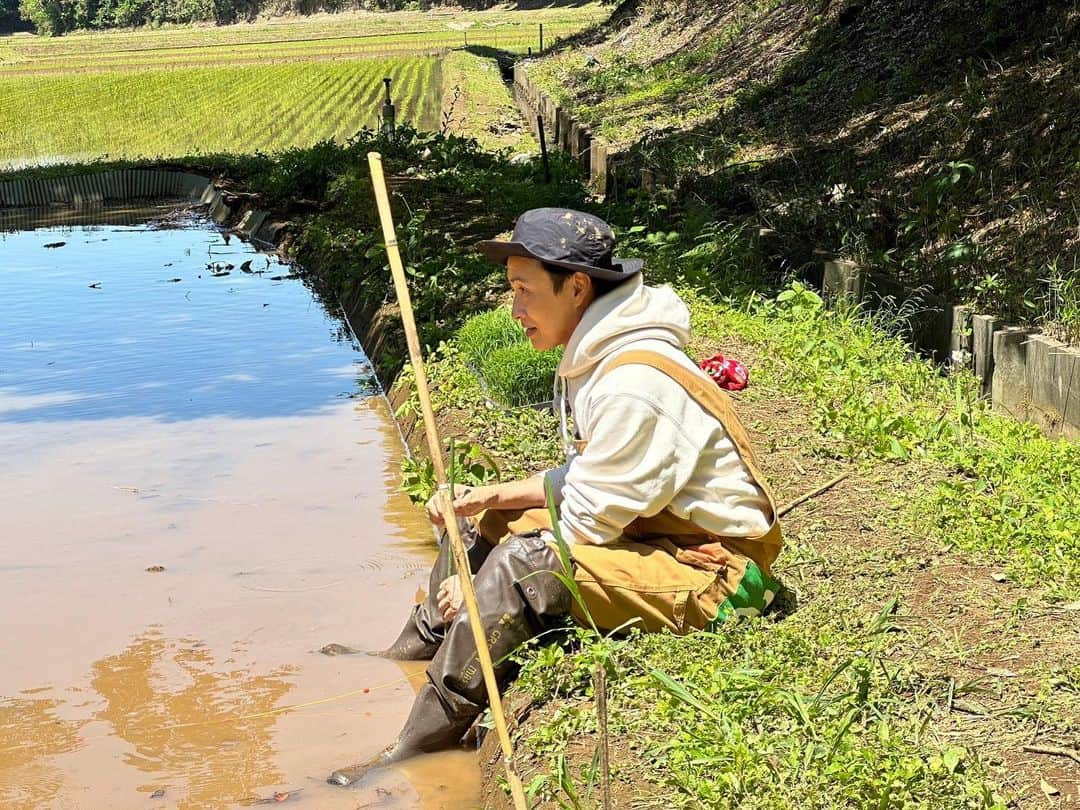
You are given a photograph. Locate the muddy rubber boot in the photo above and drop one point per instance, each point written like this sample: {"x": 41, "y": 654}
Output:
{"x": 419, "y": 640}
{"x": 430, "y": 727}
{"x": 518, "y": 598}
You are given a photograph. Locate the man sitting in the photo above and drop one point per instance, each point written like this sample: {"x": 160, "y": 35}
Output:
{"x": 669, "y": 521}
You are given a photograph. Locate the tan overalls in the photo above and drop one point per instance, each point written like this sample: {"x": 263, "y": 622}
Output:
{"x": 667, "y": 572}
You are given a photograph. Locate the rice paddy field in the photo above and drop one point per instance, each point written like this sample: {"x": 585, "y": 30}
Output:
{"x": 241, "y": 88}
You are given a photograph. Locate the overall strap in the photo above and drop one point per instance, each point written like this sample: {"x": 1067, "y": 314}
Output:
{"x": 703, "y": 390}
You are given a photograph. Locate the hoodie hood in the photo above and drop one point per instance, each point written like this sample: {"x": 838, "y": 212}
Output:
{"x": 629, "y": 313}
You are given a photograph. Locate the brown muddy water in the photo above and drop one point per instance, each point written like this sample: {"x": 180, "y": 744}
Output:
{"x": 159, "y": 411}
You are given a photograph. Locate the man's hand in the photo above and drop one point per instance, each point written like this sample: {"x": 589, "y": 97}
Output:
{"x": 450, "y": 598}
{"x": 467, "y": 501}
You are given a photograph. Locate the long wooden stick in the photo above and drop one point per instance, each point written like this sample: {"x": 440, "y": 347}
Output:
{"x": 460, "y": 556}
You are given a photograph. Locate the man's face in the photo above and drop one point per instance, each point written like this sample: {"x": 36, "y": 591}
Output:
{"x": 549, "y": 317}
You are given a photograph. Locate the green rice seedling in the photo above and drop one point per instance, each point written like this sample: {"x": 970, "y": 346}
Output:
{"x": 519, "y": 375}
{"x": 487, "y": 332}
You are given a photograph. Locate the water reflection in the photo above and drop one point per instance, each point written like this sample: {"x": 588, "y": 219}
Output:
{"x": 169, "y": 322}
{"x": 194, "y": 727}
{"x": 213, "y": 470}
{"x": 31, "y": 731}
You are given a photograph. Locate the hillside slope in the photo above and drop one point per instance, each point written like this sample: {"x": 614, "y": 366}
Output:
{"x": 939, "y": 142}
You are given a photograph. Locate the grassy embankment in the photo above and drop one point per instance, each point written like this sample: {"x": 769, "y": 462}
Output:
{"x": 247, "y": 88}
{"x": 939, "y": 144}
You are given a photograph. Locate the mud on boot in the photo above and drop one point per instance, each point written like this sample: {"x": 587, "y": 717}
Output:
{"x": 431, "y": 727}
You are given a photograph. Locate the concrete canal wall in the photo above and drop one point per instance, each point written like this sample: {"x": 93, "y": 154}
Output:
{"x": 119, "y": 185}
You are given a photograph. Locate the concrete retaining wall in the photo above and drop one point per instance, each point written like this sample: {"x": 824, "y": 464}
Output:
{"x": 119, "y": 185}
{"x": 99, "y": 187}
{"x": 1025, "y": 374}
{"x": 562, "y": 131}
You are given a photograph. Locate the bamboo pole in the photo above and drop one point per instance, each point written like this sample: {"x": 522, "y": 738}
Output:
{"x": 460, "y": 556}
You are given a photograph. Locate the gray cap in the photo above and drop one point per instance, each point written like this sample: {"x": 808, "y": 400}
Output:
{"x": 570, "y": 239}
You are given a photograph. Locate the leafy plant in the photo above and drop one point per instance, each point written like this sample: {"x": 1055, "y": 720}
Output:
{"x": 468, "y": 464}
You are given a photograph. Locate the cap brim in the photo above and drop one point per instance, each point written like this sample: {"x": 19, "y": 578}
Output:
{"x": 499, "y": 251}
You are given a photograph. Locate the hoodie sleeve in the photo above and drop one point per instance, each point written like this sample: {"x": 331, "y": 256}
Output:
{"x": 636, "y": 460}
{"x": 556, "y": 477}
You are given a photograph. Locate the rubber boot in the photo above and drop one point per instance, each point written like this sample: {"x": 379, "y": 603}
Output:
{"x": 424, "y": 629}
{"x": 518, "y": 597}
{"x": 430, "y": 727}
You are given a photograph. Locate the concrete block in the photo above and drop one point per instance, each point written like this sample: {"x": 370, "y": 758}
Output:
{"x": 983, "y": 328}
{"x": 923, "y": 318}
{"x": 598, "y": 165}
{"x": 563, "y": 127}
{"x": 1009, "y": 384}
{"x": 1070, "y": 423}
{"x": 250, "y": 223}
{"x": 1052, "y": 369}
{"x": 843, "y": 279}
{"x": 270, "y": 232}
{"x": 960, "y": 337}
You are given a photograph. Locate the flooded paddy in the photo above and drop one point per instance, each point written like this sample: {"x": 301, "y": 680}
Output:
{"x": 197, "y": 492}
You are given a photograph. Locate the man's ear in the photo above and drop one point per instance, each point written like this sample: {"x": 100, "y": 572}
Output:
{"x": 582, "y": 286}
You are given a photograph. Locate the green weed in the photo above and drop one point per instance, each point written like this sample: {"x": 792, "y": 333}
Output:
{"x": 519, "y": 375}
{"x": 486, "y": 332}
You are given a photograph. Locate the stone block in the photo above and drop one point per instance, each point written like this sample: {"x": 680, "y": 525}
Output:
{"x": 1009, "y": 383}
{"x": 1052, "y": 369}
{"x": 843, "y": 279}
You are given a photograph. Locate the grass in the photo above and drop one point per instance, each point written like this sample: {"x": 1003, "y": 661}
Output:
{"x": 513, "y": 372}
{"x": 518, "y": 375}
{"x": 477, "y": 104}
{"x": 242, "y": 109}
{"x": 486, "y": 332}
{"x": 810, "y": 712}
{"x": 248, "y": 88}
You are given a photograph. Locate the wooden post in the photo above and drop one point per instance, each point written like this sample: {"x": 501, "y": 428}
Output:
{"x": 457, "y": 547}
{"x": 543, "y": 148}
{"x": 541, "y": 38}
{"x": 389, "y": 114}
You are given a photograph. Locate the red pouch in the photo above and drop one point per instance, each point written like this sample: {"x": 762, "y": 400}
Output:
{"x": 731, "y": 375}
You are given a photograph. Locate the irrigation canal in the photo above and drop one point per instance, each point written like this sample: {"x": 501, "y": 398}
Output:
{"x": 197, "y": 492}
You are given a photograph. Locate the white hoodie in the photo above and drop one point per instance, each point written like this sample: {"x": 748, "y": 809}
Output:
{"x": 649, "y": 444}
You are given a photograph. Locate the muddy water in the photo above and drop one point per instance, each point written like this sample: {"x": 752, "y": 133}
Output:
{"x": 221, "y": 427}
